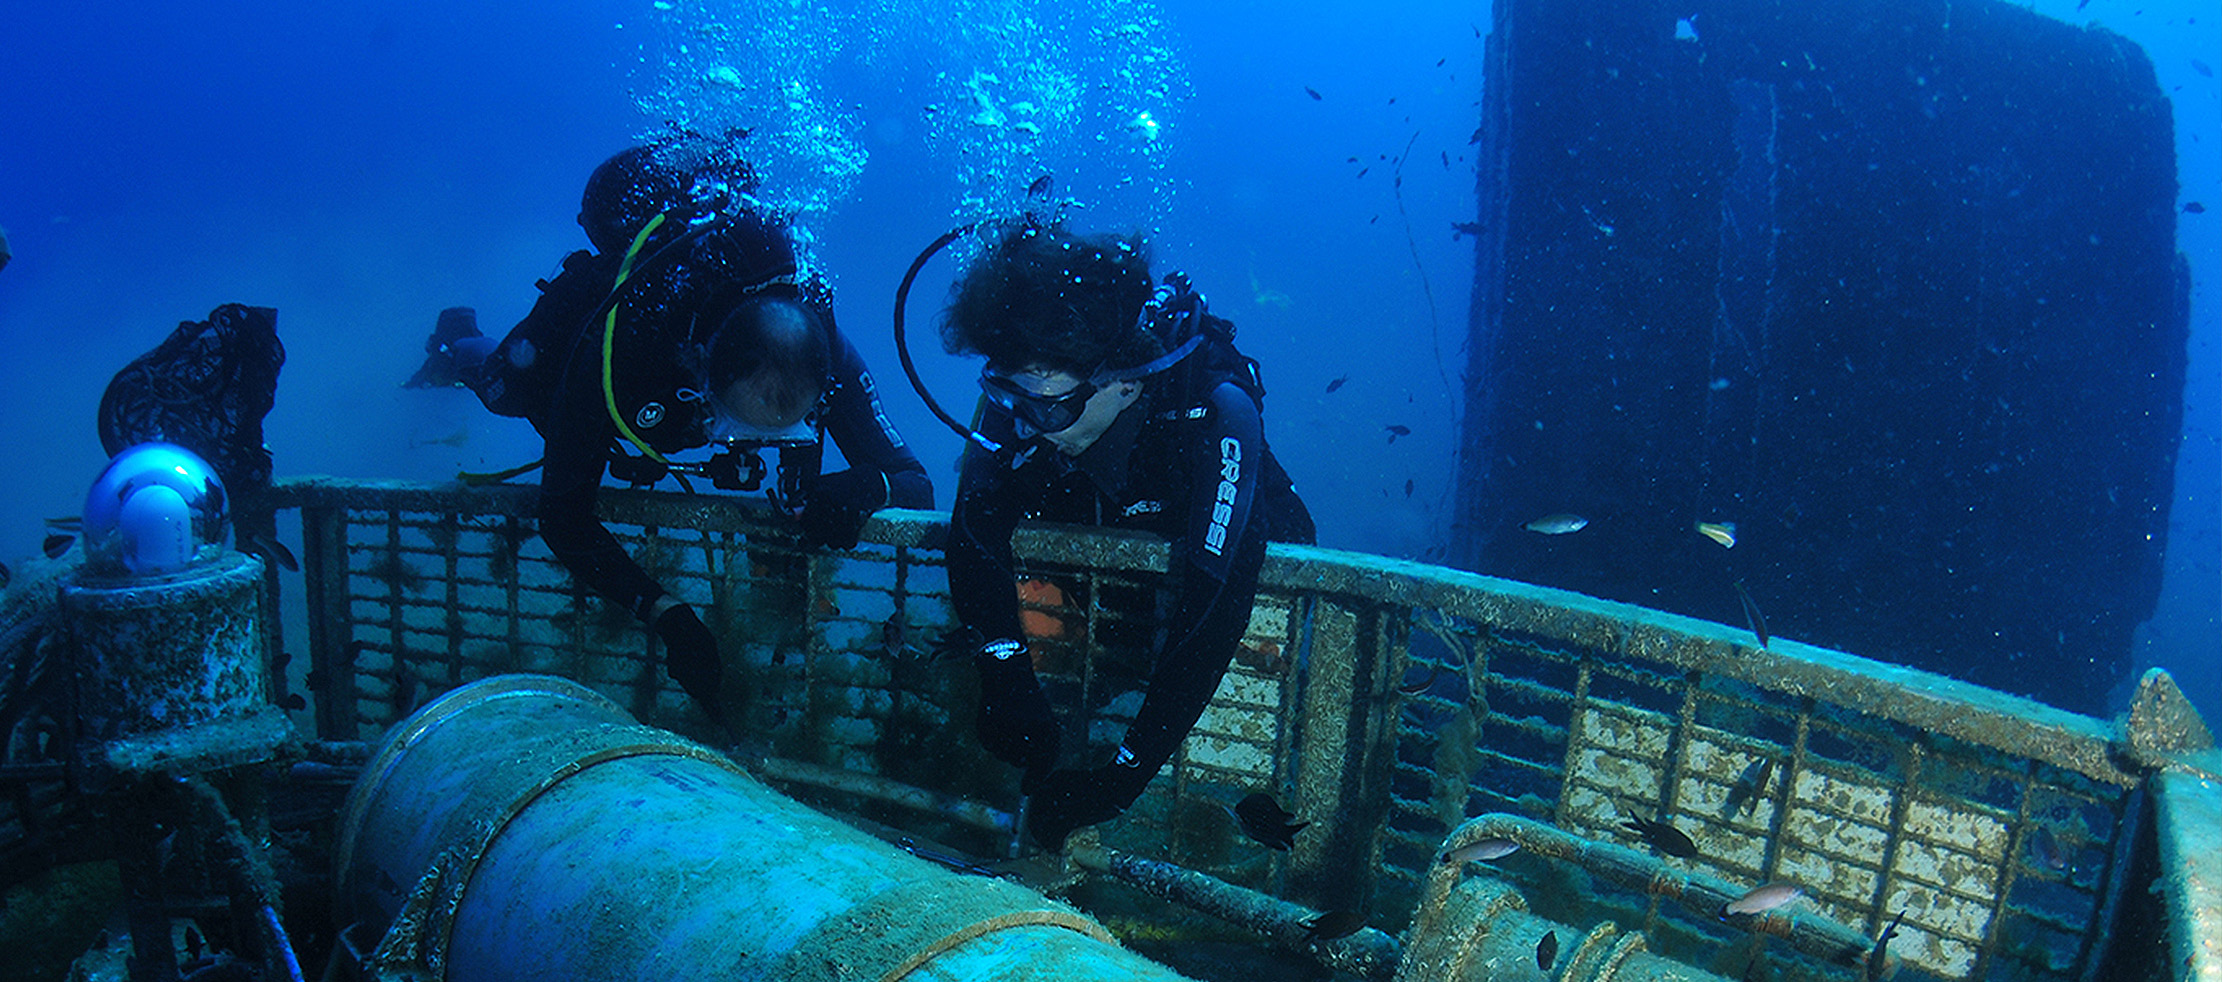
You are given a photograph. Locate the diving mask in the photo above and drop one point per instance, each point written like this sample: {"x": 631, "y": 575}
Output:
{"x": 725, "y": 425}
{"x": 1037, "y": 411}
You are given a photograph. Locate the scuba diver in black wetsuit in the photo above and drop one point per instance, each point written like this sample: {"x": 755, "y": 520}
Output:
{"x": 1107, "y": 404}
{"x": 689, "y": 325}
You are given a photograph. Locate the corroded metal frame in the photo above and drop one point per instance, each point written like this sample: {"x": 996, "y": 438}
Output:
{"x": 2002, "y": 827}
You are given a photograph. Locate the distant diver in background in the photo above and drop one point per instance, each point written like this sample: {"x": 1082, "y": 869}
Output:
{"x": 1116, "y": 406}
{"x": 688, "y": 325}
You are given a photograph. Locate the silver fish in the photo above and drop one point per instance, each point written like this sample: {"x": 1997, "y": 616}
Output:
{"x": 1557, "y": 524}
{"x": 1762, "y": 899}
{"x": 1482, "y": 851}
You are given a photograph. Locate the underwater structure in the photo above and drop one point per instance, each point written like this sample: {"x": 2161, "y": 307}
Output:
{"x": 1485, "y": 766}
{"x": 422, "y": 751}
{"x": 1890, "y": 288}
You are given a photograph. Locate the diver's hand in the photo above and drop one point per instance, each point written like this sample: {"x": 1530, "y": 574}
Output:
{"x": 691, "y": 657}
{"x": 838, "y": 505}
{"x": 1016, "y": 723}
{"x": 1064, "y": 801}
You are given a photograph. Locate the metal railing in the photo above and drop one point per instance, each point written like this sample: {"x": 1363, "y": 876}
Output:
{"x": 1385, "y": 701}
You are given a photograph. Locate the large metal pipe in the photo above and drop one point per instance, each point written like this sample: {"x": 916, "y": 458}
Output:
{"x": 524, "y": 827}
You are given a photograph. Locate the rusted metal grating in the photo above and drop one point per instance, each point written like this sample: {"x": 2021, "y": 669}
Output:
{"x": 1384, "y": 701}
{"x": 2002, "y": 864}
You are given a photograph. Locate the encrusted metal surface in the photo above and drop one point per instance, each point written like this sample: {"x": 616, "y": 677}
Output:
{"x": 2189, "y": 816}
{"x": 1383, "y": 701}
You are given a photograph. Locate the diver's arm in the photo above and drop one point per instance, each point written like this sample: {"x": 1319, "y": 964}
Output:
{"x": 859, "y": 426}
{"x": 579, "y": 434}
{"x": 1216, "y": 562}
{"x": 990, "y": 502}
{"x": 1218, "y": 556}
{"x": 1015, "y": 721}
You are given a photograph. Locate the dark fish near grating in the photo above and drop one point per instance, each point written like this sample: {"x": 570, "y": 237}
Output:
{"x": 1335, "y": 924}
{"x": 1662, "y": 836}
{"x": 1264, "y": 820}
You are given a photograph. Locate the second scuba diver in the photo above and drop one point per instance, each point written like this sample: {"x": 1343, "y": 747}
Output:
{"x": 1111, "y": 404}
{"x": 688, "y": 325}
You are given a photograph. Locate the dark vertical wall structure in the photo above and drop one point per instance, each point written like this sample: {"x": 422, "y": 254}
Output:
{"x": 1889, "y": 284}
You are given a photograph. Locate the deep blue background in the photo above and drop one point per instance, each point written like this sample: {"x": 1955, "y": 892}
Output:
{"x": 359, "y": 166}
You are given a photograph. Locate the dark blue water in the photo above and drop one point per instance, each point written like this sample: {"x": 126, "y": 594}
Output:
{"x": 360, "y": 166}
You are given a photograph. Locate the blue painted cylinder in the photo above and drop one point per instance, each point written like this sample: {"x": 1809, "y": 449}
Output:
{"x": 524, "y": 827}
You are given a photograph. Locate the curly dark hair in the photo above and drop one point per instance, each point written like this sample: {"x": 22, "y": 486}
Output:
{"x": 1044, "y": 297}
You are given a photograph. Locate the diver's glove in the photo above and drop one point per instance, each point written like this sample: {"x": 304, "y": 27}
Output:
{"x": 834, "y": 513}
{"x": 1016, "y": 723}
{"x": 1067, "y": 800}
{"x": 691, "y": 658}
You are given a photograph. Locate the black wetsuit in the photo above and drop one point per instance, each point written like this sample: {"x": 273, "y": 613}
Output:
{"x": 1188, "y": 461}
{"x": 681, "y": 286}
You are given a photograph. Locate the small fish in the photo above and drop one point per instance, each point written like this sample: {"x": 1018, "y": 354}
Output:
{"x": 1721, "y": 532}
{"x": 1262, "y": 656}
{"x": 1876, "y": 959}
{"x": 294, "y": 701}
{"x": 1396, "y": 430}
{"x": 1041, "y": 187}
{"x": 1662, "y": 836}
{"x": 1752, "y": 617}
{"x": 1362, "y": 170}
{"x": 1337, "y": 382}
{"x": 1750, "y": 787}
{"x": 891, "y": 636}
{"x": 1557, "y": 523}
{"x": 455, "y": 439}
{"x": 1424, "y": 684}
{"x": 1314, "y": 93}
{"x": 1335, "y": 924}
{"x": 2194, "y": 208}
{"x": 1761, "y": 899}
{"x": 1546, "y": 950}
{"x": 5, "y": 576}
{"x": 2201, "y": 68}
{"x": 948, "y": 861}
{"x": 1353, "y": 160}
{"x": 1464, "y": 228}
{"x": 5, "y": 254}
{"x": 1446, "y": 160}
{"x": 276, "y": 552}
{"x": 56, "y": 545}
{"x": 1263, "y": 819}
{"x": 1481, "y": 851}
{"x": 2045, "y": 849}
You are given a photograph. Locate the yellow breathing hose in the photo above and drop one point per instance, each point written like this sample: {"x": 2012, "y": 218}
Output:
{"x": 609, "y": 338}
